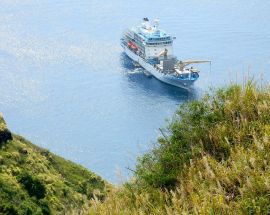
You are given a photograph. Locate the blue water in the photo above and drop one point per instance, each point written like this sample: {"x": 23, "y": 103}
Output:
{"x": 66, "y": 85}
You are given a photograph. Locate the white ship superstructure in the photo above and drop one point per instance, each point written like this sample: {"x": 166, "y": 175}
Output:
{"x": 152, "y": 48}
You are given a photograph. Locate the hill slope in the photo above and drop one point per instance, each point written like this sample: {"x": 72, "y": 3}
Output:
{"x": 213, "y": 158}
{"x": 35, "y": 181}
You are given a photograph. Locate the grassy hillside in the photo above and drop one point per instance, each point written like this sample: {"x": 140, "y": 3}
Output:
{"x": 35, "y": 181}
{"x": 213, "y": 158}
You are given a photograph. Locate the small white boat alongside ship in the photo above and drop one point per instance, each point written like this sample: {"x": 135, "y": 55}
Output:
{"x": 152, "y": 49}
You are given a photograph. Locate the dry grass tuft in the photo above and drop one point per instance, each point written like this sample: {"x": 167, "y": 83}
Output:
{"x": 213, "y": 159}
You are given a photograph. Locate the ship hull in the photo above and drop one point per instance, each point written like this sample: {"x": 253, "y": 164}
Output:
{"x": 165, "y": 78}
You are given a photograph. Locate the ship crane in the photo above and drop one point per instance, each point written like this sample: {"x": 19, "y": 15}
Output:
{"x": 183, "y": 64}
{"x": 152, "y": 48}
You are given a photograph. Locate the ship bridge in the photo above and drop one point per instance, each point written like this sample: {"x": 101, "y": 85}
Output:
{"x": 151, "y": 33}
{"x": 153, "y": 39}
{"x": 148, "y": 41}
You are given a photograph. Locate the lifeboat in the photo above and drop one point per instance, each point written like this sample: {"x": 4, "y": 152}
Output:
{"x": 132, "y": 46}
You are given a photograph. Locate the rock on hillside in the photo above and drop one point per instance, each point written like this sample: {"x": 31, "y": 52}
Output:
{"x": 5, "y": 134}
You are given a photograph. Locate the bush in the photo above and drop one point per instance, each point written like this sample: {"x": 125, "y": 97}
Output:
{"x": 8, "y": 209}
{"x": 208, "y": 126}
{"x": 33, "y": 186}
{"x": 213, "y": 158}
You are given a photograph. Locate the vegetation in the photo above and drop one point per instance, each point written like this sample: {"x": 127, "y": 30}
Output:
{"x": 5, "y": 134}
{"x": 35, "y": 181}
{"x": 213, "y": 158}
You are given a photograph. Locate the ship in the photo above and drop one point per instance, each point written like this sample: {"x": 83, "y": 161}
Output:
{"x": 152, "y": 49}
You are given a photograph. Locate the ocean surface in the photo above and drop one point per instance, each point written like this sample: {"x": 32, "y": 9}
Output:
{"x": 66, "y": 85}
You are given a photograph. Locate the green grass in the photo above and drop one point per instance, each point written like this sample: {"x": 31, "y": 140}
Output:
{"x": 213, "y": 158}
{"x": 35, "y": 181}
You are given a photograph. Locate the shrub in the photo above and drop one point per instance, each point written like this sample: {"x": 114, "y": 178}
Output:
{"x": 213, "y": 158}
{"x": 210, "y": 126}
{"x": 8, "y": 209}
{"x": 33, "y": 185}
